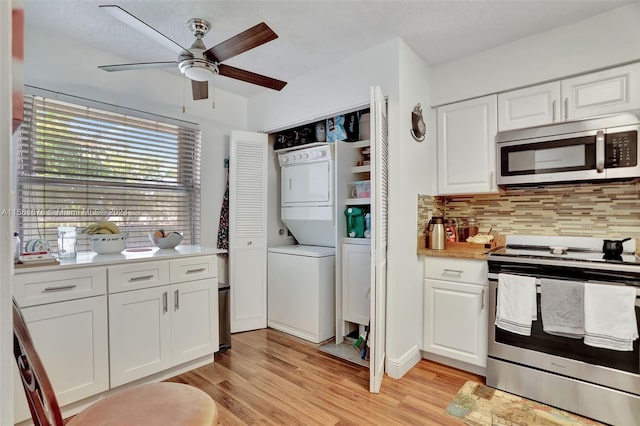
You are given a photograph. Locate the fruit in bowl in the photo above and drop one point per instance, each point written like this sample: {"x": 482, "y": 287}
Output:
{"x": 165, "y": 240}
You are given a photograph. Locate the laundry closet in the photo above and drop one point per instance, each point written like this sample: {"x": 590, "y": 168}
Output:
{"x": 317, "y": 212}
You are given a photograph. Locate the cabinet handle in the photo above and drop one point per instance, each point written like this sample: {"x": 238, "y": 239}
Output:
{"x": 142, "y": 278}
{"x": 164, "y": 303}
{"x": 193, "y": 271}
{"x": 176, "y": 295}
{"x": 249, "y": 243}
{"x": 59, "y": 288}
{"x": 553, "y": 111}
{"x": 289, "y": 184}
{"x": 454, "y": 271}
{"x": 566, "y": 108}
{"x": 482, "y": 306}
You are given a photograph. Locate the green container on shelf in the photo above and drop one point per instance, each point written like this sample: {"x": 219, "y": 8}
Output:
{"x": 355, "y": 222}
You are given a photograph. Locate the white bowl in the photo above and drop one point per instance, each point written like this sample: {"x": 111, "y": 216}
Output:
{"x": 108, "y": 243}
{"x": 168, "y": 242}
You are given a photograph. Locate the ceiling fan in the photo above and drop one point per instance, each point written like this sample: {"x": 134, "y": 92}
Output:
{"x": 198, "y": 63}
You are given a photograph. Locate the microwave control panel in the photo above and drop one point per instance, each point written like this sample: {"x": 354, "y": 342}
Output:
{"x": 621, "y": 149}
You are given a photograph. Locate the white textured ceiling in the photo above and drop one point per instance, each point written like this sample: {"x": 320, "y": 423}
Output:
{"x": 312, "y": 34}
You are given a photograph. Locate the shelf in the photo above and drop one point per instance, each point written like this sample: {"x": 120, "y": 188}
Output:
{"x": 358, "y": 241}
{"x": 361, "y": 169}
{"x": 357, "y": 201}
{"x": 297, "y": 147}
{"x": 360, "y": 144}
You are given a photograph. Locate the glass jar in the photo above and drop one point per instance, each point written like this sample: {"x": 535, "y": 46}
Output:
{"x": 463, "y": 229}
{"x": 473, "y": 226}
{"x": 451, "y": 230}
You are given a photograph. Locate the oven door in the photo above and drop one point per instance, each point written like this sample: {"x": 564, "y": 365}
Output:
{"x": 565, "y": 356}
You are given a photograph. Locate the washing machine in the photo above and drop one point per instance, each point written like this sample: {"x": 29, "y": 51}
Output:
{"x": 301, "y": 291}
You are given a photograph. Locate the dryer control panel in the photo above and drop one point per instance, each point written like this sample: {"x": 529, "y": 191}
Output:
{"x": 308, "y": 155}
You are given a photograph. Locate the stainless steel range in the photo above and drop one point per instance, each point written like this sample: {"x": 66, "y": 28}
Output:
{"x": 563, "y": 369}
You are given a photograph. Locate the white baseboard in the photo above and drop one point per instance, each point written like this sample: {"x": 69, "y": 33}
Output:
{"x": 398, "y": 367}
{"x": 460, "y": 365}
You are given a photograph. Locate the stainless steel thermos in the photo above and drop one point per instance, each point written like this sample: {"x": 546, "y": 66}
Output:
{"x": 437, "y": 233}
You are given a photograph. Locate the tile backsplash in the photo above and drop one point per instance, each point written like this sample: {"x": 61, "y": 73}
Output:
{"x": 610, "y": 210}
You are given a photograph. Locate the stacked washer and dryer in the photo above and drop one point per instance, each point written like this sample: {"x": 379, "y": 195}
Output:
{"x": 301, "y": 278}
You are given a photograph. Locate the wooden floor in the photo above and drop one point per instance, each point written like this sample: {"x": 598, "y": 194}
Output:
{"x": 270, "y": 378}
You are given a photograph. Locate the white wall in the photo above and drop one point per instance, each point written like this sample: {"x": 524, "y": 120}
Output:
{"x": 6, "y": 339}
{"x": 69, "y": 67}
{"x": 404, "y": 79}
{"x": 607, "y": 39}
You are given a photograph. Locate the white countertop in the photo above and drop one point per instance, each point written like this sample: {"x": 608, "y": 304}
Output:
{"x": 131, "y": 254}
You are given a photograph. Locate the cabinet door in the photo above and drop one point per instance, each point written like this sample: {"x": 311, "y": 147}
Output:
{"x": 605, "y": 92}
{"x": 139, "y": 333}
{"x": 356, "y": 283}
{"x": 456, "y": 321}
{"x": 194, "y": 320}
{"x": 71, "y": 339}
{"x": 467, "y": 146}
{"x": 248, "y": 230}
{"x": 531, "y": 106}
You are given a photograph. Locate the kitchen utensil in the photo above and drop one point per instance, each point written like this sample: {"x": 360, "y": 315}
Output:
{"x": 355, "y": 222}
{"x": 168, "y": 242}
{"x": 437, "y": 234}
{"x": 108, "y": 243}
{"x": 67, "y": 242}
{"x": 613, "y": 247}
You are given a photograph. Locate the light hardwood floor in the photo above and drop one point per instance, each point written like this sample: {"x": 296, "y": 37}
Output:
{"x": 270, "y": 378}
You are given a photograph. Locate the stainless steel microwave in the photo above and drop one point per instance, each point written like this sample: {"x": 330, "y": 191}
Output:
{"x": 585, "y": 150}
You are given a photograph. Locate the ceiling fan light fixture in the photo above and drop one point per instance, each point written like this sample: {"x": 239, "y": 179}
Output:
{"x": 198, "y": 69}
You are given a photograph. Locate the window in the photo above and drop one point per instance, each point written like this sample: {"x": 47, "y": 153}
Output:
{"x": 77, "y": 165}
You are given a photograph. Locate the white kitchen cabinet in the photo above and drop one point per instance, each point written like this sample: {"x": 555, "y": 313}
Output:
{"x": 72, "y": 340}
{"x": 466, "y": 146}
{"x": 248, "y": 231}
{"x": 356, "y": 283}
{"x": 152, "y": 329}
{"x": 589, "y": 95}
{"x": 456, "y": 309}
{"x": 531, "y": 106}
{"x": 604, "y": 92}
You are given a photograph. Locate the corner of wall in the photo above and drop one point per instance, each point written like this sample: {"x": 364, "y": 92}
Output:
{"x": 398, "y": 367}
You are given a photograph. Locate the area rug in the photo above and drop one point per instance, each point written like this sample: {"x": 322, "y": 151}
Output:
{"x": 479, "y": 405}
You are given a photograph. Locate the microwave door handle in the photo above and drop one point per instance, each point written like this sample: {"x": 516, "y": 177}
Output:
{"x": 600, "y": 151}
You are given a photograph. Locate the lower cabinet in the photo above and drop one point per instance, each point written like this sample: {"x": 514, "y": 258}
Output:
{"x": 356, "y": 283}
{"x": 156, "y": 328}
{"x": 72, "y": 341}
{"x": 455, "y": 312}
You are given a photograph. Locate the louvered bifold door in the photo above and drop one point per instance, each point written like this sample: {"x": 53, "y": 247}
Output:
{"x": 379, "y": 204}
{"x": 248, "y": 230}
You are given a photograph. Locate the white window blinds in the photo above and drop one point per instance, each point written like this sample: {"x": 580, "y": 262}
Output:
{"x": 77, "y": 165}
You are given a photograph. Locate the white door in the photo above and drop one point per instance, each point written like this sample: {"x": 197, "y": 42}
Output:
{"x": 72, "y": 341}
{"x": 194, "y": 320}
{"x": 467, "y": 146}
{"x": 531, "y": 106}
{"x": 306, "y": 183}
{"x": 139, "y": 333}
{"x": 248, "y": 230}
{"x": 604, "y": 92}
{"x": 379, "y": 201}
{"x": 356, "y": 283}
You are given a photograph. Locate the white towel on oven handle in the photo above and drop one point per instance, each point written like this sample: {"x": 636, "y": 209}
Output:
{"x": 516, "y": 305}
{"x": 610, "y": 316}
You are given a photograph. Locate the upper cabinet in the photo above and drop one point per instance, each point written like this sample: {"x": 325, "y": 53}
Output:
{"x": 604, "y": 92}
{"x": 467, "y": 147}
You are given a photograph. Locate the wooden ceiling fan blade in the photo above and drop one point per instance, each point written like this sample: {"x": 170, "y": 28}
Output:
{"x": 246, "y": 40}
{"x": 251, "y": 77}
{"x": 200, "y": 89}
{"x": 138, "y": 66}
{"x": 142, "y": 27}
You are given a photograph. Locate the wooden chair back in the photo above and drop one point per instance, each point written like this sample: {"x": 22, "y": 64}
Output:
{"x": 42, "y": 401}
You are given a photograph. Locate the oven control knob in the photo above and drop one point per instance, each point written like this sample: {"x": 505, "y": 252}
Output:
{"x": 283, "y": 159}
{"x": 323, "y": 153}
{"x": 306, "y": 155}
{"x": 292, "y": 157}
{"x": 299, "y": 156}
